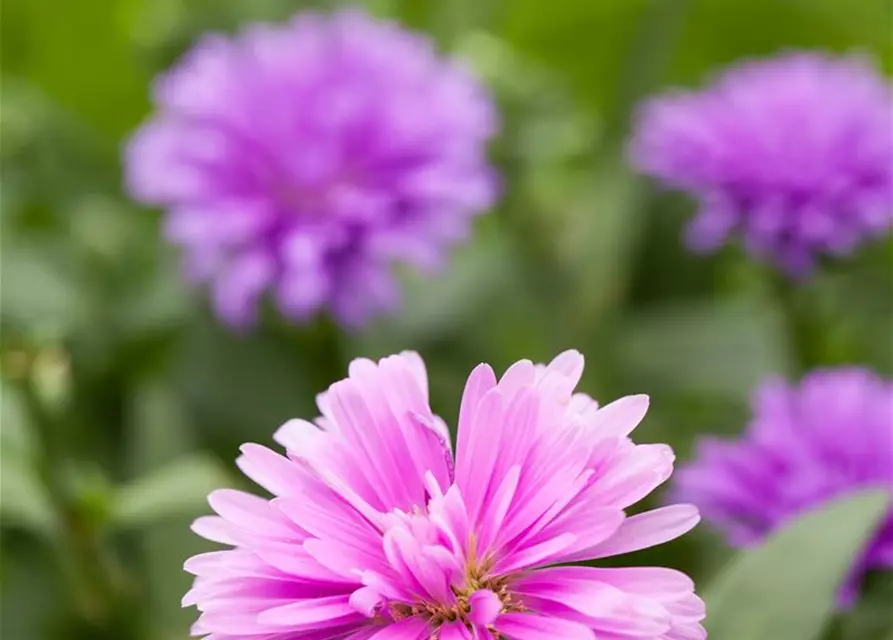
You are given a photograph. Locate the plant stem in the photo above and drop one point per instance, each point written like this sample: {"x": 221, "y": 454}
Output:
{"x": 803, "y": 324}
{"x": 79, "y": 548}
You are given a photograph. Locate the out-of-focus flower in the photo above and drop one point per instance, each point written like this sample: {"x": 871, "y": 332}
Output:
{"x": 830, "y": 435}
{"x": 377, "y": 531}
{"x": 794, "y": 153}
{"x": 303, "y": 159}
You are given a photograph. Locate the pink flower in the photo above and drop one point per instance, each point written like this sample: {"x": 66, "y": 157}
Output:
{"x": 376, "y": 531}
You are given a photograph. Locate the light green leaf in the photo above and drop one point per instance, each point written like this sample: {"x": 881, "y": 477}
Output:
{"x": 786, "y": 588}
{"x": 160, "y": 434}
{"x": 559, "y": 38}
{"x": 722, "y": 348}
{"x": 176, "y": 489}
{"x": 241, "y": 387}
{"x": 98, "y": 80}
{"x": 38, "y": 293}
{"x": 23, "y": 499}
{"x": 598, "y": 237}
{"x": 32, "y": 592}
{"x": 14, "y": 430}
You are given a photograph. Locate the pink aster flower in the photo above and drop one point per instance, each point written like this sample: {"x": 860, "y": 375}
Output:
{"x": 376, "y": 531}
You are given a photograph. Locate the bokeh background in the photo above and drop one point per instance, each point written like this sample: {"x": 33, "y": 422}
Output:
{"x": 146, "y": 398}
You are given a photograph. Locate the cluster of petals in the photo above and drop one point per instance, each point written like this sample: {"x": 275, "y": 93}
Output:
{"x": 377, "y": 531}
{"x": 793, "y": 153}
{"x": 303, "y": 160}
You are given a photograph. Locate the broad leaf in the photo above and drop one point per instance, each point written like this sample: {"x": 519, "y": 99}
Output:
{"x": 23, "y": 499}
{"x": 787, "y": 587}
{"x": 178, "y": 488}
{"x": 723, "y": 348}
{"x": 161, "y": 434}
{"x": 238, "y": 387}
{"x": 598, "y": 239}
{"x": 39, "y": 295}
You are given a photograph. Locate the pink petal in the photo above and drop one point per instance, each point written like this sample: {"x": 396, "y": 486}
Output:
{"x": 649, "y": 529}
{"x": 311, "y": 613}
{"x": 619, "y": 418}
{"x": 485, "y": 607}
{"x": 531, "y": 626}
{"x": 409, "y": 629}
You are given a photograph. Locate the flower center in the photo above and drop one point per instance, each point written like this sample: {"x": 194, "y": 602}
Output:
{"x": 479, "y": 602}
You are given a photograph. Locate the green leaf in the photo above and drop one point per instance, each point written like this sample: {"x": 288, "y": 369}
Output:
{"x": 39, "y": 294}
{"x": 562, "y": 38}
{"x": 164, "y": 547}
{"x": 598, "y": 237}
{"x": 23, "y": 499}
{"x": 178, "y": 488}
{"x": 96, "y": 78}
{"x": 719, "y": 32}
{"x": 32, "y": 590}
{"x": 14, "y": 430}
{"x": 160, "y": 434}
{"x": 786, "y": 588}
{"x": 240, "y": 387}
{"x": 721, "y": 348}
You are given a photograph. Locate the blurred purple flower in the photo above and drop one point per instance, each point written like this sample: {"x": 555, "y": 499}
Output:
{"x": 378, "y": 532}
{"x": 303, "y": 159}
{"x": 794, "y": 153}
{"x": 831, "y": 435}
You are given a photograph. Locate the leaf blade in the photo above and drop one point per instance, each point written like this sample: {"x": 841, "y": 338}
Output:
{"x": 177, "y": 488}
{"x": 752, "y": 599}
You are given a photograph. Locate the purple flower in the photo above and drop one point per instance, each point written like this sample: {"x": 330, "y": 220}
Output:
{"x": 303, "y": 159}
{"x": 377, "y": 531}
{"x": 806, "y": 445}
{"x": 795, "y": 154}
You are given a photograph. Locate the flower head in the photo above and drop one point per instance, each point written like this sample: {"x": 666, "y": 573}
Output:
{"x": 807, "y": 444}
{"x": 302, "y": 159}
{"x": 794, "y": 153}
{"x": 377, "y": 531}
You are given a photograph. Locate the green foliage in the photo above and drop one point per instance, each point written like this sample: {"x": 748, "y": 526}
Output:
{"x": 786, "y": 587}
{"x": 176, "y": 488}
{"x": 872, "y": 616}
{"x": 720, "y": 347}
{"x": 99, "y": 82}
{"x": 148, "y": 397}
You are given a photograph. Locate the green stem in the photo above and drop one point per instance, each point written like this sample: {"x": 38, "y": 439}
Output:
{"x": 651, "y": 48}
{"x": 79, "y": 548}
{"x": 320, "y": 343}
{"x": 803, "y": 323}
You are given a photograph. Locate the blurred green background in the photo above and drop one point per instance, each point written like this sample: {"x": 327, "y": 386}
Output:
{"x": 145, "y": 398}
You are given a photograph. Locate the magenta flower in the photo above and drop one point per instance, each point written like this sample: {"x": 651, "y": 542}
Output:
{"x": 831, "y": 435}
{"x": 303, "y": 159}
{"x": 377, "y": 531}
{"x": 792, "y": 153}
